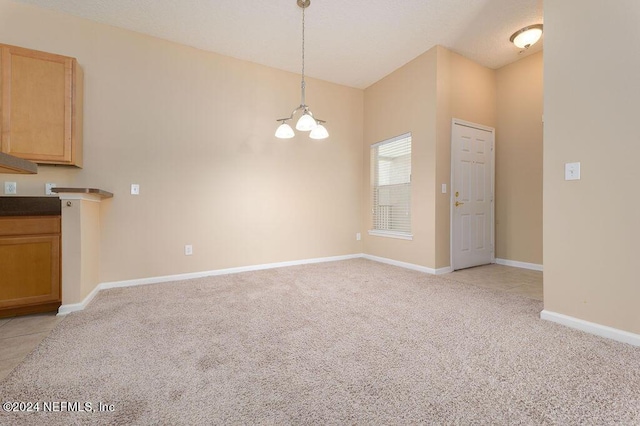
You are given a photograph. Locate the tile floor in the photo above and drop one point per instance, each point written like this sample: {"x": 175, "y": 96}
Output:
{"x": 20, "y": 335}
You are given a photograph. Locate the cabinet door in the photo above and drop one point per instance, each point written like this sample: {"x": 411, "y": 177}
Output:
{"x": 30, "y": 268}
{"x": 37, "y": 105}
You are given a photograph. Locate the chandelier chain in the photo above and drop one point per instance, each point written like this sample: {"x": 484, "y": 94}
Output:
{"x": 303, "y": 43}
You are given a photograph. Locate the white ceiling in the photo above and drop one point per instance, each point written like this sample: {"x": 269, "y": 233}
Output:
{"x": 354, "y": 43}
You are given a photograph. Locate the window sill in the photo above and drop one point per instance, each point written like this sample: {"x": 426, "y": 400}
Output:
{"x": 391, "y": 234}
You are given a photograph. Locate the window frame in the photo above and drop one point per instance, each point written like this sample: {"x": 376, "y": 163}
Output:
{"x": 375, "y": 159}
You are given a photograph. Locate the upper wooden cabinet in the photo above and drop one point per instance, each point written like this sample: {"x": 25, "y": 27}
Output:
{"x": 41, "y": 106}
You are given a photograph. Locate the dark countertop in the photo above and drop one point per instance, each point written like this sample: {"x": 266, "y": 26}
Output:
{"x": 30, "y": 206}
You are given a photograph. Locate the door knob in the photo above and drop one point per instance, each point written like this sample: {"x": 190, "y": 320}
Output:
{"x": 458, "y": 203}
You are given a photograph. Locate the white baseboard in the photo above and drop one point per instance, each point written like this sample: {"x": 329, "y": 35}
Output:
{"x": 444, "y": 270}
{"x": 592, "y": 328}
{"x": 73, "y": 307}
{"x": 227, "y": 271}
{"x": 66, "y": 309}
{"x": 407, "y": 265}
{"x": 516, "y": 264}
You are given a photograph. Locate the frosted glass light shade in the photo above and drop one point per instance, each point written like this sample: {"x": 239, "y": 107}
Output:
{"x": 284, "y": 131}
{"x": 527, "y": 36}
{"x": 306, "y": 123}
{"x": 320, "y": 132}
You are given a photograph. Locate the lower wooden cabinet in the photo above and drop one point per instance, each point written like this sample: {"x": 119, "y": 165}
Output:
{"x": 29, "y": 264}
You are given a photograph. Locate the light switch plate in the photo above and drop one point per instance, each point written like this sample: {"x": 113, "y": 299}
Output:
{"x": 444, "y": 188}
{"x": 572, "y": 171}
{"x": 135, "y": 189}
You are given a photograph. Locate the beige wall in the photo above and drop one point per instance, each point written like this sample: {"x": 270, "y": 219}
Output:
{"x": 519, "y": 160}
{"x": 591, "y": 105}
{"x": 91, "y": 241}
{"x": 473, "y": 91}
{"x": 422, "y": 97}
{"x": 195, "y": 130}
{"x": 81, "y": 241}
{"x": 444, "y": 111}
{"x": 405, "y": 101}
{"x": 72, "y": 254}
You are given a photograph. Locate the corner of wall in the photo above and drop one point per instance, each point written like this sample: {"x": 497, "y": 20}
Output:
{"x": 519, "y": 160}
{"x": 405, "y": 101}
{"x": 444, "y": 115}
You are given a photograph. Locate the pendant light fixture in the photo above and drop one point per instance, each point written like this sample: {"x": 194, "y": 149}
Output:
{"x": 307, "y": 122}
{"x": 526, "y": 37}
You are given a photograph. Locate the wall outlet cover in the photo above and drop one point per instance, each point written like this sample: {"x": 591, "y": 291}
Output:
{"x": 10, "y": 188}
{"x": 47, "y": 188}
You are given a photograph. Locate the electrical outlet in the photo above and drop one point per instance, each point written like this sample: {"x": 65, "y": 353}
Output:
{"x": 188, "y": 250}
{"x": 10, "y": 188}
{"x": 47, "y": 188}
{"x": 135, "y": 189}
{"x": 358, "y": 236}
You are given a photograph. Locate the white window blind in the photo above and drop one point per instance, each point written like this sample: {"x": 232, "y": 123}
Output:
{"x": 391, "y": 171}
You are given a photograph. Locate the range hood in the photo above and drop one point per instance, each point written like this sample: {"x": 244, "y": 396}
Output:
{"x": 11, "y": 164}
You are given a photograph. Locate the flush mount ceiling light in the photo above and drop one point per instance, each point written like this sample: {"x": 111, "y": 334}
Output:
{"x": 307, "y": 122}
{"x": 527, "y": 36}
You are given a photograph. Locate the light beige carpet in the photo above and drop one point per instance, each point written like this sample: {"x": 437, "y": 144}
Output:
{"x": 350, "y": 342}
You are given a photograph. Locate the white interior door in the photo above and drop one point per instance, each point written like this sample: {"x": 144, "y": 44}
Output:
{"x": 472, "y": 172}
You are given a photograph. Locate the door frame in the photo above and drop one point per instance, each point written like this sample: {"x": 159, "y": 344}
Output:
{"x": 492, "y": 173}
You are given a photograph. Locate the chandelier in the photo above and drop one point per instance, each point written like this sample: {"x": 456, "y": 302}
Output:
{"x": 307, "y": 122}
